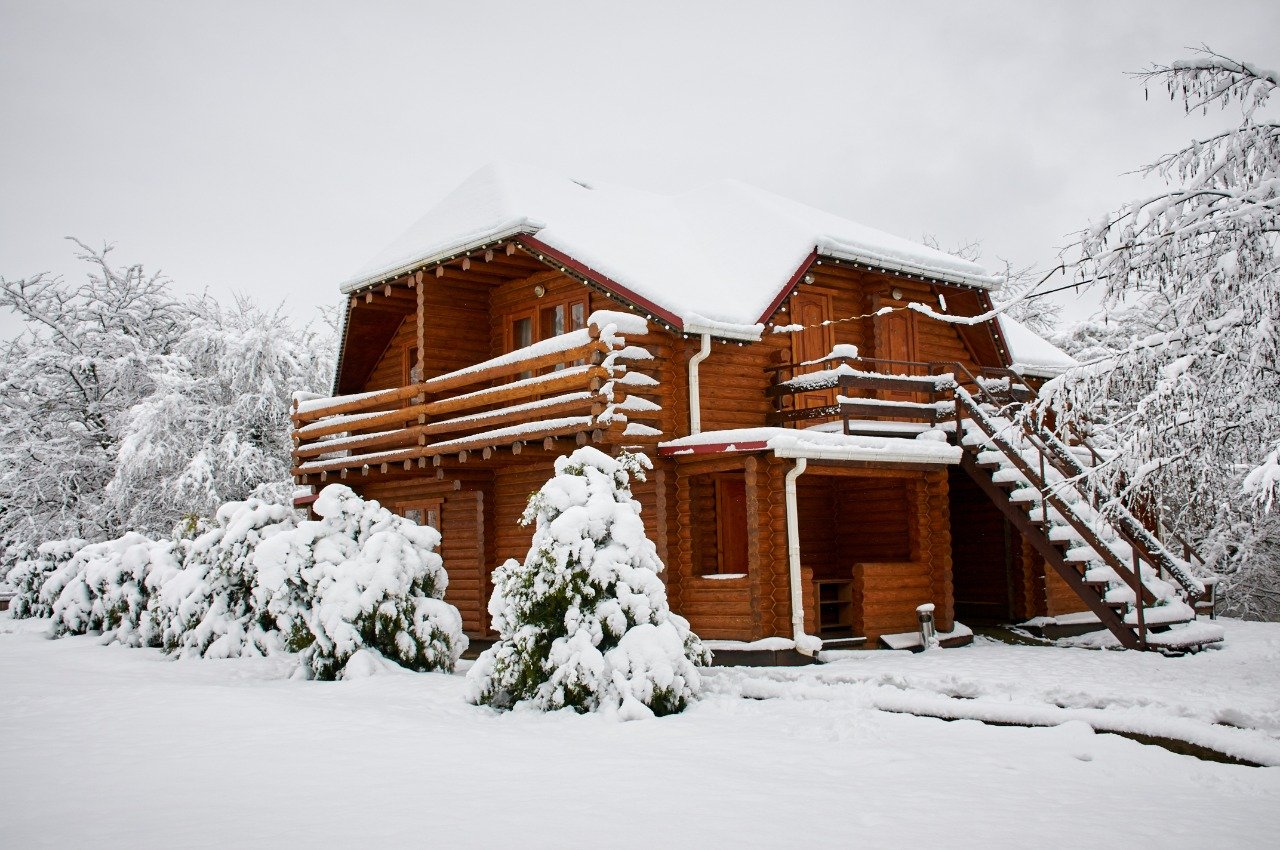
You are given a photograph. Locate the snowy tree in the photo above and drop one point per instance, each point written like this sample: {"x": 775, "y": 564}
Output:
{"x": 206, "y": 609}
{"x": 29, "y": 575}
{"x": 106, "y": 587}
{"x": 359, "y": 578}
{"x": 86, "y": 357}
{"x": 583, "y": 621}
{"x": 1191, "y": 410}
{"x": 216, "y": 427}
{"x": 1016, "y": 297}
{"x": 126, "y": 408}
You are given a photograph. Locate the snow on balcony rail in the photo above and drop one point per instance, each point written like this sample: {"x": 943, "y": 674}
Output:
{"x": 567, "y": 398}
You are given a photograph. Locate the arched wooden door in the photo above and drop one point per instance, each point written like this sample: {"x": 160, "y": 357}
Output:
{"x": 896, "y": 340}
{"x": 811, "y": 309}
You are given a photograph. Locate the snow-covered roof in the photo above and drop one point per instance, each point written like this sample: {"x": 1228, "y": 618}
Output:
{"x": 1032, "y": 354}
{"x": 717, "y": 257}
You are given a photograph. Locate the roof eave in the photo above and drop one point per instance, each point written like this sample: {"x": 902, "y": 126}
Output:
{"x": 879, "y": 263}
{"x": 443, "y": 255}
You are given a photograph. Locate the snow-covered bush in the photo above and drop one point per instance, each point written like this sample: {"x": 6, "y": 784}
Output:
{"x": 30, "y": 574}
{"x": 360, "y": 577}
{"x": 105, "y": 587}
{"x": 584, "y": 621}
{"x": 207, "y": 609}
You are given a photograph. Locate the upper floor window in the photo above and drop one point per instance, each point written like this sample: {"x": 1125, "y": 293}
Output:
{"x": 550, "y": 318}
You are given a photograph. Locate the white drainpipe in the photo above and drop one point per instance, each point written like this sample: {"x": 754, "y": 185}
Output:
{"x": 695, "y": 395}
{"x": 802, "y": 640}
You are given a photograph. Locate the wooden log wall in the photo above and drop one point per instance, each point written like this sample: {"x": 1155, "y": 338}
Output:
{"x": 466, "y": 518}
{"x": 1010, "y": 584}
{"x": 887, "y": 592}
{"x": 389, "y": 371}
{"x": 874, "y": 519}
{"x": 770, "y": 566}
{"x": 986, "y": 551}
{"x": 859, "y": 293}
{"x": 816, "y": 504}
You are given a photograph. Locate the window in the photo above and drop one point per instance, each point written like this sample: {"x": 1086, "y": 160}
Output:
{"x": 412, "y": 375}
{"x": 550, "y": 319}
{"x": 424, "y": 512}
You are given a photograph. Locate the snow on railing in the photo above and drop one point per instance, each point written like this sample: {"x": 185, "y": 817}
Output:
{"x": 580, "y": 386}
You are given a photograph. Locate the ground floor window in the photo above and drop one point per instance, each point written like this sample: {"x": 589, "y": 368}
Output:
{"x": 423, "y": 512}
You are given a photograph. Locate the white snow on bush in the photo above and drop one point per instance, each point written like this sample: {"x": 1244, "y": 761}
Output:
{"x": 105, "y": 587}
{"x": 359, "y": 577}
{"x": 30, "y": 574}
{"x": 584, "y": 621}
{"x": 206, "y": 609}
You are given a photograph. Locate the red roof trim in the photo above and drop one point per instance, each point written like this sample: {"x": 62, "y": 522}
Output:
{"x": 713, "y": 448}
{"x": 791, "y": 285}
{"x": 534, "y": 244}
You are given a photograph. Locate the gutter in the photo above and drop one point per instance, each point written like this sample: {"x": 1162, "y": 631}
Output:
{"x": 695, "y": 389}
{"x": 804, "y": 643}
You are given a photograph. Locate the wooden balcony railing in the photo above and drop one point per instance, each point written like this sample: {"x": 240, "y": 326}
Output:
{"x": 580, "y": 387}
{"x": 881, "y": 389}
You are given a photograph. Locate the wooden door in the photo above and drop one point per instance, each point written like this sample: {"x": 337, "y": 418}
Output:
{"x": 731, "y": 524}
{"x": 811, "y": 309}
{"x": 896, "y": 340}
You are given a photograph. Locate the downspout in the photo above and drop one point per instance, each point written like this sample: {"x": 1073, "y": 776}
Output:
{"x": 805, "y": 644}
{"x": 695, "y": 394}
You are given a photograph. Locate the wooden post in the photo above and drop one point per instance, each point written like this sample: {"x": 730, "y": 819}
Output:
{"x": 422, "y": 331}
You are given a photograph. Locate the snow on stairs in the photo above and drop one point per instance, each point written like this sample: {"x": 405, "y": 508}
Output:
{"x": 1108, "y": 560}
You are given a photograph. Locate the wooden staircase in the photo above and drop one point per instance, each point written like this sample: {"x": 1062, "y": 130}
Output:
{"x": 1139, "y": 591}
{"x": 1144, "y": 595}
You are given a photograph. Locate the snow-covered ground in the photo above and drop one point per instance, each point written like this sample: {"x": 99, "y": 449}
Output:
{"x": 114, "y": 747}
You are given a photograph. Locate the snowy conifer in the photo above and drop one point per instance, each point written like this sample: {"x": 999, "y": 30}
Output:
{"x": 207, "y": 609}
{"x": 358, "y": 578}
{"x": 106, "y": 587}
{"x": 583, "y": 621}
{"x": 30, "y": 574}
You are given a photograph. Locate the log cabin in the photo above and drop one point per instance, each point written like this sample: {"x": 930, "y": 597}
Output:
{"x": 829, "y": 409}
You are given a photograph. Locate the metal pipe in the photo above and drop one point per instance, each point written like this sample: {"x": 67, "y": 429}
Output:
{"x": 804, "y": 642}
{"x": 695, "y": 393}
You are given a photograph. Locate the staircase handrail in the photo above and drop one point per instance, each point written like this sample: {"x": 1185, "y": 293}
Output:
{"x": 1142, "y": 594}
{"x": 1125, "y": 522}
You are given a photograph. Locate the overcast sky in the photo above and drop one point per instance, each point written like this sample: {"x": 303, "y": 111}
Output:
{"x": 271, "y": 147}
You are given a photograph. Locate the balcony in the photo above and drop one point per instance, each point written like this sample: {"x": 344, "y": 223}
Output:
{"x": 576, "y": 385}
{"x": 879, "y": 397}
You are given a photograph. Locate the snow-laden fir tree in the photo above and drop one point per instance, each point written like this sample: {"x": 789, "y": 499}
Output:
{"x": 359, "y": 578}
{"x": 106, "y": 587}
{"x": 206, "y": 609}
{"x": 29, "y": 575}
{"x": 1190, "y": 412}
{"x": 583, "y": 622}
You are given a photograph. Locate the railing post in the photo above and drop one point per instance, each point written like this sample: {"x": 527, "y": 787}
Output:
{"x": 1140, "y": 603}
